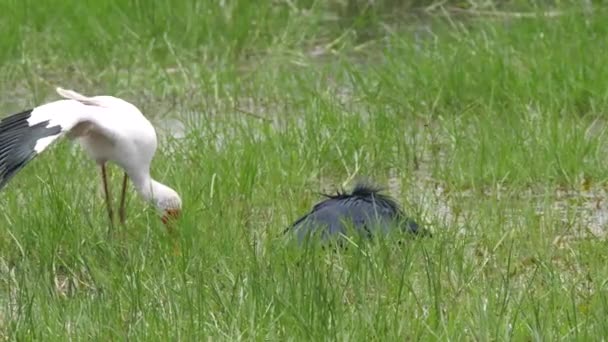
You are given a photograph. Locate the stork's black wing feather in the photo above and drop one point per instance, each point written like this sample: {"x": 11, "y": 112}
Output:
{"x": 18, "y": 141}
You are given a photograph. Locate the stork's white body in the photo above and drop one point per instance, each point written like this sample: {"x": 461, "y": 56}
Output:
{"x": 114, "y": 130}
{"x": 108, "y": 128}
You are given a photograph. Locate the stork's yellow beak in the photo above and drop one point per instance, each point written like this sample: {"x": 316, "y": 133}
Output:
{"x": 171, "y": 215}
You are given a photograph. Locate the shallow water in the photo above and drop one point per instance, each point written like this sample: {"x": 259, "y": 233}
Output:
{"x": 429, "y": 201}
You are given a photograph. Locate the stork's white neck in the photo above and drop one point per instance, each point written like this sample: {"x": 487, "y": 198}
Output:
{"x": 144, "y": 184}
{"x": 155, "y": 192}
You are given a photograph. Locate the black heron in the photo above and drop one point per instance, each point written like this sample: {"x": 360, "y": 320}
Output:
{"x": 365, "y": 209}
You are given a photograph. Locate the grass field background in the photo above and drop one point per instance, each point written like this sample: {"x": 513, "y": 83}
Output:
{"x": 486, "y": 120}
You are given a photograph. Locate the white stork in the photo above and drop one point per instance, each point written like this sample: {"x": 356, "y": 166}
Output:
{"x": 108, "y": 128}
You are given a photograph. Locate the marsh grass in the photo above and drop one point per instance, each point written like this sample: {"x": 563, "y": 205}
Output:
{"x": 481, "y": 123}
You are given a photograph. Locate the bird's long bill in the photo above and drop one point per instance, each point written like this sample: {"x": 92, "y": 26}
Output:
{"x": 170, "y": 217}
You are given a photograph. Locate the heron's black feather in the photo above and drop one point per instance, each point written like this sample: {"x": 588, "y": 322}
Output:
{"x": 365, "y": 208}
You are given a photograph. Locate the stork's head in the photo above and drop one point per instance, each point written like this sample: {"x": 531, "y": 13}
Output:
{"x": 168, "y": 203}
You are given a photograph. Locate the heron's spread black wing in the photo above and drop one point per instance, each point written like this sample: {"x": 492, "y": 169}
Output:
{"x": 365, "y": 209}
{"x": 18, "y": 141}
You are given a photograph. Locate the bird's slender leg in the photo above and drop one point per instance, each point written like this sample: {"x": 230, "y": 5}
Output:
{"x": 121, "y": 211}
{"x": 106, "y": 190}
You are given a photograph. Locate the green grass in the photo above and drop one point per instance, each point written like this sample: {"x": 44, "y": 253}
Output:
{"x": 491, "y": 131}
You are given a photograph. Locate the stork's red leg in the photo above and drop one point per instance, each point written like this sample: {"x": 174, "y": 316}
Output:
{"x": 122, "y": 212}
{"x": 106, "y": 190}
